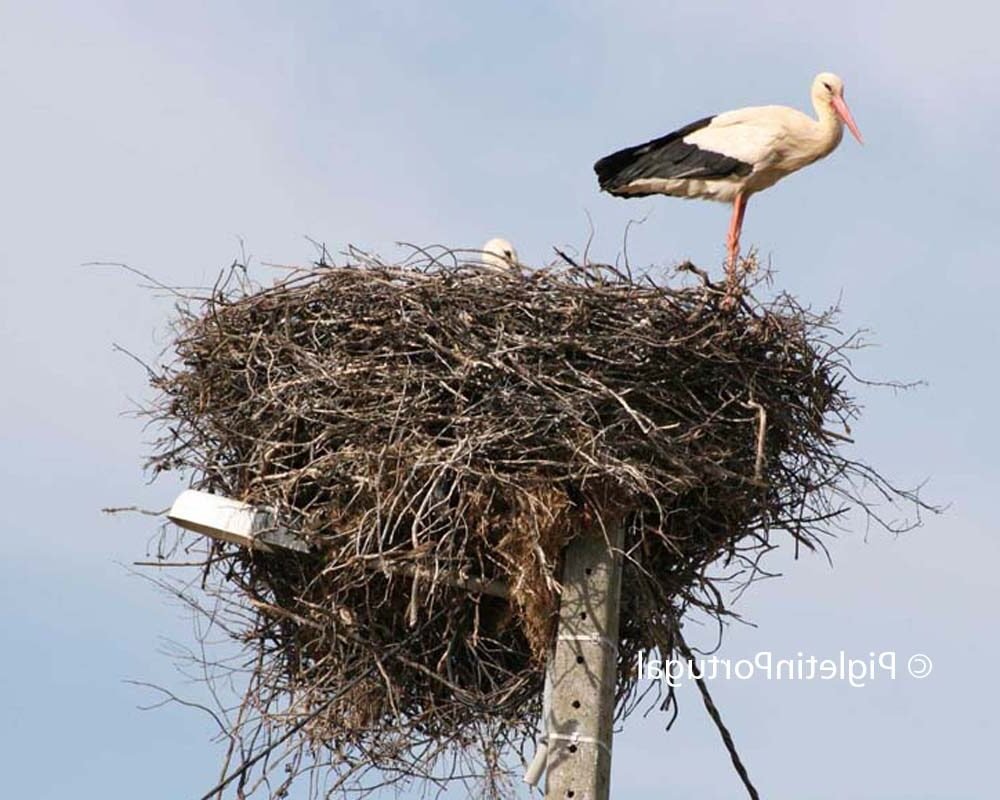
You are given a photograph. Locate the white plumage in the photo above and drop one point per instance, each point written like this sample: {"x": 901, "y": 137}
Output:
{"x": 500, "y": 254}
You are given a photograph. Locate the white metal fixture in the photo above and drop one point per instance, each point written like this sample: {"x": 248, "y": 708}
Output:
{"x": 232, "y": 521}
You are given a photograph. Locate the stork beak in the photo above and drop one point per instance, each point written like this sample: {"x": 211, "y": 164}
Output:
{"x": 845, "y": 114}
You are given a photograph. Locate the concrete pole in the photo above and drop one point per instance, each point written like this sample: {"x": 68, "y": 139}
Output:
{"x": 584, "y": 666}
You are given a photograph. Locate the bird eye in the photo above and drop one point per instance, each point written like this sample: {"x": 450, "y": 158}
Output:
{"x": 829, "y": 88}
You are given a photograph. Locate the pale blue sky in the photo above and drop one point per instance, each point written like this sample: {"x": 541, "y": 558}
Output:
{"x": 162, "y": 134}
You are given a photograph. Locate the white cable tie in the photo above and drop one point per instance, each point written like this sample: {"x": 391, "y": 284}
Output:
{"x": 576, "y": 738}
{"x": 589, "y": 637}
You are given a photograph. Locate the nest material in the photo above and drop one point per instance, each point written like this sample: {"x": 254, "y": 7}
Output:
{"x": 433, "y": 424}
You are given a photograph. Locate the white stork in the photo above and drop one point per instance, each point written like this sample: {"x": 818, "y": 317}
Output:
{"x": 500, "y": 254}
{"x": 733, "y": 155}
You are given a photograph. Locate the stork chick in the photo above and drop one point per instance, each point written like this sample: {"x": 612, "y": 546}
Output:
{"x": 500, "y": 254}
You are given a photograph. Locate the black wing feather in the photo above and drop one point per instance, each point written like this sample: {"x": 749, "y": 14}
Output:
{"x": 667, "y": 157}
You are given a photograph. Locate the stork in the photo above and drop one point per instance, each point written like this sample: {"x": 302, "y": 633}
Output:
{"x": 733, "y": 155}
{"x": 499, "y": 254}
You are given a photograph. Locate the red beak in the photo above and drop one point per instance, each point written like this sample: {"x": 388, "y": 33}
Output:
{"x": 845, "y": 114}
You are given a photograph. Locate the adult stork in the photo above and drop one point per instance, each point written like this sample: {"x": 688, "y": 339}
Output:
{"x": 733, "y": 155}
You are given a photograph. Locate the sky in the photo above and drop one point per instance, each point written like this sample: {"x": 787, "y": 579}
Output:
{"x": 172, "y": 137}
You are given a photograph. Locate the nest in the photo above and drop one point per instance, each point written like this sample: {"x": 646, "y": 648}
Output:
{"x": 437, "y": 431}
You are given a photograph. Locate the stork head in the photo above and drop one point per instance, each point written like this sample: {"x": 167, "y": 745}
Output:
{"x": 500, "y": 253}
{"x": 828, "y": 91}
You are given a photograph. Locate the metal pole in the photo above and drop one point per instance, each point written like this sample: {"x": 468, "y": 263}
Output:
{"x": 584, "y": 665}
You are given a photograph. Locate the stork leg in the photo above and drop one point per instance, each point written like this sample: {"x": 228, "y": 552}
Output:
{"x": 733, "y": 237}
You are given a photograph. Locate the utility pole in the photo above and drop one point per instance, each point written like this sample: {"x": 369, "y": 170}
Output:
{"x": 584, "y": 665}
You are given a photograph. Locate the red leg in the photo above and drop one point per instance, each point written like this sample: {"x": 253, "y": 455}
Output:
{"x": 742, "y": 201}
{"x": 733, "y": 237}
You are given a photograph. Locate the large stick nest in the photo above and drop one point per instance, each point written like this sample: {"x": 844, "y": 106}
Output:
{"x": 437, "y": 423}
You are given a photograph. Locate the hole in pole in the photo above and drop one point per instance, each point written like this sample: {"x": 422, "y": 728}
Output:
{"x": 572, "y": 748}
{"x": 576, "y": 704}
{"x": 583, "y": 615}
{"x": 579, "y": 659}
{"x": 570, "y": 793}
